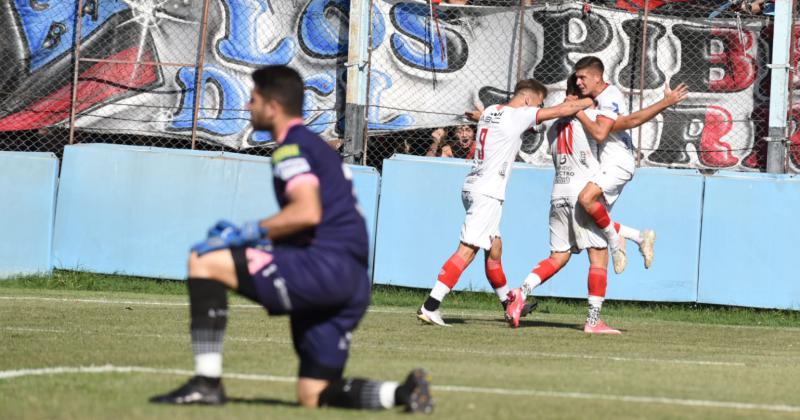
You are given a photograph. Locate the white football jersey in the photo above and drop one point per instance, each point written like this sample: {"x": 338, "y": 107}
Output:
{"x": 618, "y": 147}
{"x": 574, "y": 155}
{"x": 498, "y": 140}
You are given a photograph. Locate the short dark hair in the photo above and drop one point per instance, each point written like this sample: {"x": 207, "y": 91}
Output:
{"x": 531, "y": 84}
{"x": 592, "y": 62}
{"x": 572, "y": 85}
{"x": 283, "y": 85}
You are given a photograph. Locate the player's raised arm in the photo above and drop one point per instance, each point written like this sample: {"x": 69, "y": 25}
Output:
{"x": 565, "y": 109}
{"x": 671, "y": 97}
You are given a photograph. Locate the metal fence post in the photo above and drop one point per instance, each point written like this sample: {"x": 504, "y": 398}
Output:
{"x": 642, "y": 62}
{"x": 198, "y": 73}
{"x": 521, "y": 24}
{"x": 75, "y": 70}
{"x": 355, "y": 113}
{"x": 779, "y": 87}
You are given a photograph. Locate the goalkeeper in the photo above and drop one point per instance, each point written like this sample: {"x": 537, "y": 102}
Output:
{"x": 309, "y": 262}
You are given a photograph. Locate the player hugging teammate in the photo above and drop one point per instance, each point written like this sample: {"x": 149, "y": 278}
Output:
{"x": 593, "y": 160}
{"x": 499, "y": 139}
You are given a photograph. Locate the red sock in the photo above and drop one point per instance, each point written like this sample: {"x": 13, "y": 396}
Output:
{"x": 546, "y": 269}
{"x": 599, "y": 214}
{"x": 495, "y": 274}
{"x": 616, "y": 226}
{"x": 451, "y": 270}
{"x": 598, "y": 281}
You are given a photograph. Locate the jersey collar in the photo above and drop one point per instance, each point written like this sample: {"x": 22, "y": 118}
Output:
{"x": 604, "y": 89}
{"x": 294, "y": 122}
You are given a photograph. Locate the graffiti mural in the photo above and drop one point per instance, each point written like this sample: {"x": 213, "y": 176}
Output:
{"x": 424, "y": 72}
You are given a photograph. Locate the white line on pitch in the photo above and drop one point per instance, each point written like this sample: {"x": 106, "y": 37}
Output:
{"x": 112, "y": 301}
{"x": 357, "y": 345}
{"x": 471, "y": 313}
{"x": 638, "y": 399}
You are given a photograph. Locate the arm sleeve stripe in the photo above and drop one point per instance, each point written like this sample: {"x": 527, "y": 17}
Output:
{"x": 302, "y": 179}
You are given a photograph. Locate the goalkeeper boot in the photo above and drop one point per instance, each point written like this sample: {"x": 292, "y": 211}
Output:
{"x": 647, "y": 247}
{"x": 198, "y": 390}
{"x": 415, "y": 392}
{"x": 431, "y": 317}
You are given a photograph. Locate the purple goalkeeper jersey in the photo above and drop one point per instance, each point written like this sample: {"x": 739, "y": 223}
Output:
{"x": 303, "y": 157}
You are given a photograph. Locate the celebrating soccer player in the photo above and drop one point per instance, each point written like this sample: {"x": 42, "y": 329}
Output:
{"x": 309, "y": 261}
{"x": 499, "y": 137}
{"x": 617, "y": 163}
{"x": 571, "y": 227}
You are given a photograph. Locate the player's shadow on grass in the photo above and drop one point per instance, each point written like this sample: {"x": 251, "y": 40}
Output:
{"x": 262, "y": 401}
{"x": 455, "y": 321}
{"x": 523, "y": 323}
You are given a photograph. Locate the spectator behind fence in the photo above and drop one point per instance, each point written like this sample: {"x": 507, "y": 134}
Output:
{"x": 461, "y": 144}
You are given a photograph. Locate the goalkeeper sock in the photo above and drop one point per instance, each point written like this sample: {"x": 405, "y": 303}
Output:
{"x": 209, "y": 316}
{"x": 361, "y": 394}
{"x": 628, "y": 232}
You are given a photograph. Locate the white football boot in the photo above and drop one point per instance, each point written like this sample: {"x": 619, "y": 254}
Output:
{"x": 620, "y": 257}
{"x": 647, "y": 247}
{"x": 431, "y": 317}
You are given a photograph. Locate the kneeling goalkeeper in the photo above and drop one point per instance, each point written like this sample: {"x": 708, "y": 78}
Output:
{"x": 309, "y": 261}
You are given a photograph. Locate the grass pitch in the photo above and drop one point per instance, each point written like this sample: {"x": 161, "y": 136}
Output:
{"x": 120, "y": 340}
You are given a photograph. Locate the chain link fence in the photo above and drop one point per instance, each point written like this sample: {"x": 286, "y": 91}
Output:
{"x": 175, "y": 73}
{"x": 453, "y": 59}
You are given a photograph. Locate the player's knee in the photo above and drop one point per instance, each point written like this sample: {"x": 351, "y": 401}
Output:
{"x": 307, "y": 396}
{"x": 198, "y": 266}
{"x": 496, "y": 252}
{"x": 467, "y": 252}
{"x": 560, "y": 258}
{"x": 587, "y": 196}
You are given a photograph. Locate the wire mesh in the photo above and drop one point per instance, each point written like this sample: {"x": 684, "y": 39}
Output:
{"x": 137, "y": 72}
{"x": 447, "y": 59}
{"x": 140, "y": 64}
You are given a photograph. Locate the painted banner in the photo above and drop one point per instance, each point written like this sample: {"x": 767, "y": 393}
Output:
{"x": 424, "y": 72}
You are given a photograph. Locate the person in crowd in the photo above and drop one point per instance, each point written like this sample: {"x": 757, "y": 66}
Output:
{"x": 461, "y": 144}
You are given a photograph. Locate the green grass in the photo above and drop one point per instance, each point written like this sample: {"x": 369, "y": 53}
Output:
{"x": 408, "y": 298}
{"x": 675, "y": 352}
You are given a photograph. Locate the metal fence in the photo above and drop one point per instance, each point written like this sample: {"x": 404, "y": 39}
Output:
{"x": 175, "y": 73}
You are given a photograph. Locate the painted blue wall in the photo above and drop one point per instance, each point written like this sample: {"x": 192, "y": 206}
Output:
{"x": 28, "y": 183}
{"x": 421, "y": 215}
{"x": 137, "y": 210}
{"x": 749, "y": 249}
{"x": 725, "y": 239}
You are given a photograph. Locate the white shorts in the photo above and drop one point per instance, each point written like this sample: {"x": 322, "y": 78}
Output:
{"x": 482, "y": 223}
{"x": 571, "y": 228}
{"x": 612, "y": 178}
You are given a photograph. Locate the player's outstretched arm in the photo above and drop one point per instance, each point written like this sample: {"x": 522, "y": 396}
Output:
{"x": 565, "y": 109}
{"x": 304, "y": 211}
{"x": 671, "y": 97}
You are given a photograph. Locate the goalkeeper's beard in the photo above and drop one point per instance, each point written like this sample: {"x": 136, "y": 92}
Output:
{"x": 260, "y": 126}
